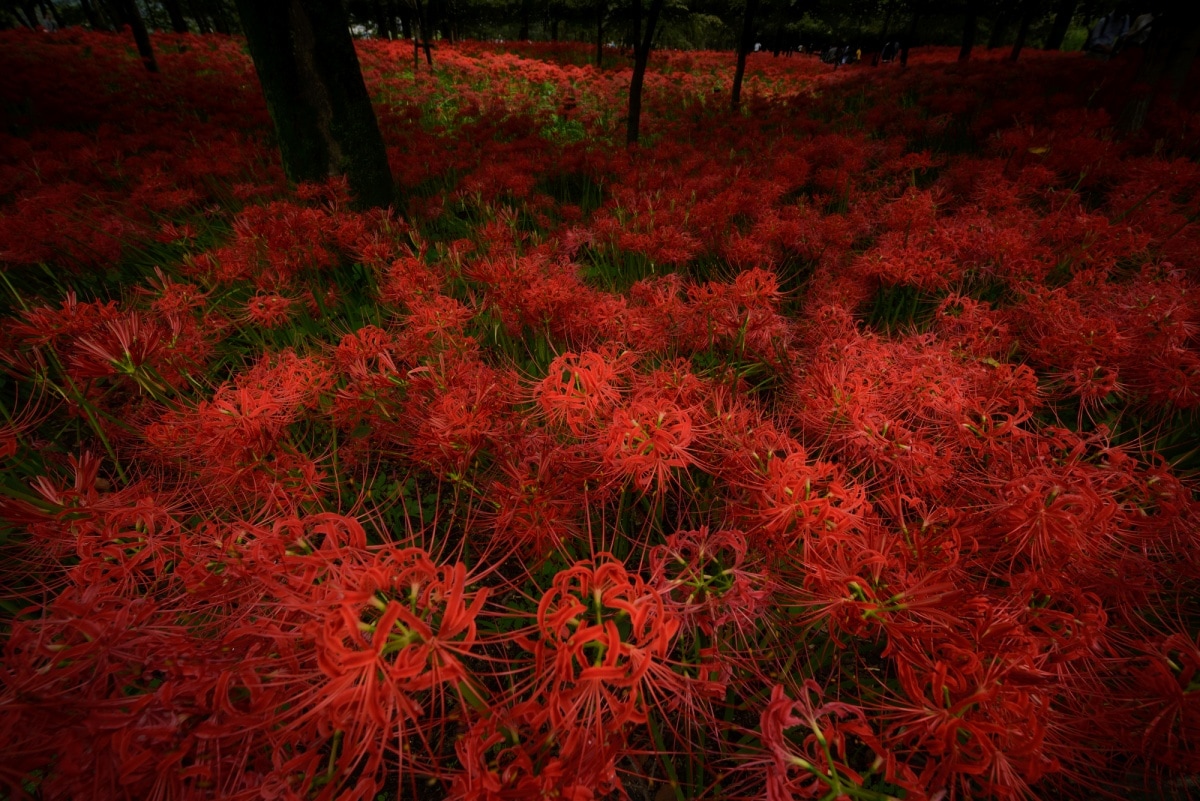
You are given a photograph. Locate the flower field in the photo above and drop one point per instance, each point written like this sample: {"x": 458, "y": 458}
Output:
{"x": 845, "y": 447}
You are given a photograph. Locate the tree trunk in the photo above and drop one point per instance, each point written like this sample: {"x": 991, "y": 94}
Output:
{"x": 446, "y": 20}
{"x": 970, "y": 28}
{"x": 641, "y": 55}
{"x": 175, "y": 12}
{"x": 131, "y": 15}
{"x": 523, "y": 33}
{"x": 883, "y": 36}
{"x": 1179, "y": 67}
{"x": 1022, "y": 32}
{"x": 95, "y": 21}
{"x": 911, "y": 36}
{"x": 202, "y": 22}
{"x": 315, "y": 92}
{"x": 421, "y": 35}
{"x": 1062, "y": 23}
{"x": 51, "y": 11}
{"x": 150, "y": 16}
{"x": 999, "y": 28}
{"x": 383, "y": 25}
{"x": 1166, "y": 63}
{"x": 27, "y": 14}
{"x": 744, "y": 46}
{"x": 219, "y": 17}
{"x": 600, "y": 6}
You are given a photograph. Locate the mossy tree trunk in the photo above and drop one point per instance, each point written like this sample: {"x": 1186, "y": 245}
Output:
{"x": 315, "y": 92}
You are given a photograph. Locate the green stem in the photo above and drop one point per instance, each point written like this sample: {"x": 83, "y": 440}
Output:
{"x": 668, "y": 765}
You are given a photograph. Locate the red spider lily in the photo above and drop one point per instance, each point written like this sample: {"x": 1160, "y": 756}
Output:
{"x": 1048, "y": 515}
{"x": 799, "y": 500}
{"x": 270, "y": 310}
{"x": 1165, "y": 702}
{"x": 704, "y": 579}
{"x": 647, "y": 441}
{"x": 391, "y": 635}
{"x": 581, "y": 390}
{"x": 120, "y": 347}
{"x": 513, "y": 755}
{"x": 601, "y": 637}
{"x": 536, "y": 500}
{"x": 814, "y": 767}
{"x": 980, "y": 705}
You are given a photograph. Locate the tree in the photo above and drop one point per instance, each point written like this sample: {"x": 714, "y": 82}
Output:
{"x": 1001, "y": 21}
{"x": 315, "y": 93}
{"x": 1063, "y": 14}
{"x": 1027, "y": 12}
{"x": 910, "y": 38}
{"x": 641, "y": 55}
{"x": 744, "y": 45}
{"x": 128, "y": 13}
{"x": 1166, "y": 62}
{"x": 970, "y": 28}
{"x": 175, "y": 12}
{"x": 601, "y": 7}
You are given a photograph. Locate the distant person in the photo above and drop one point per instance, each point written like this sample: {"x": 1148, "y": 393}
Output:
{"x": 1106, "y": 33}
{"x": 889, "y": 52}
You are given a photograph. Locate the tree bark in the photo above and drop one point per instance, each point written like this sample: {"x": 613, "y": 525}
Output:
{"x": 1166, "y": 63}
{"x": 202, "y": 22}
{"x": 175, "y": 12}
{"x": 383, "y": 25}
{"x": 641, "y": 55}
{"x": 911, "y": 36}
{"x": 95, "y": 21}
{"x": 51, "y": 10}
{"x": 422, "y": 32}
{"x": 970, "y": 29}
{"x": 1062, "y": 23}
{"x": 219, "y": 17}
{"x": 999, "y": 28}
{"x": 315, "y": 92}
{"x": 883, "y": 36}
{"x": 744, "y": 46}
{"x": 1022, "y": 32}
{"x": 600, "y": 7}
{"x": 131, "y": 15}
{"x": 1179, "y": 66}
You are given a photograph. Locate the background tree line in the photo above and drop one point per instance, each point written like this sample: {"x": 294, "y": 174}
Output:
{"x": 325, "y": 125}
{"x": 708, "y": 24}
